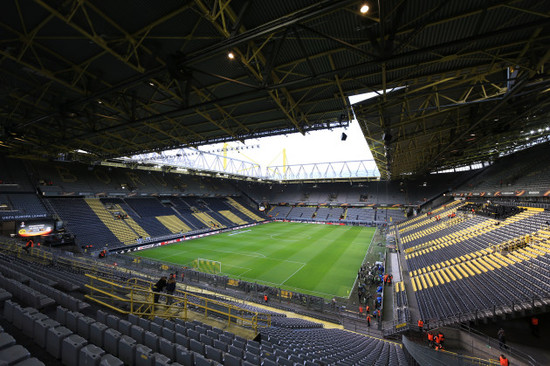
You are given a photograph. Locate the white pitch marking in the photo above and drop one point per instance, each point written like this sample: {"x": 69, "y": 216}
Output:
{"x": 288, "y": 278}
{"x": 238, "y": 232}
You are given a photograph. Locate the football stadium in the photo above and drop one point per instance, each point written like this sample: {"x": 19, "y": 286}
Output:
{"x": 289, "y": 182}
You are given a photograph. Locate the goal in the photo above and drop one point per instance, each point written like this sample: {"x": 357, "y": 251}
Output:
{"x": 207, "y": 265}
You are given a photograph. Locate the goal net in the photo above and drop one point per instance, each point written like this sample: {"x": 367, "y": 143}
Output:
{"x": 207, "y": 265}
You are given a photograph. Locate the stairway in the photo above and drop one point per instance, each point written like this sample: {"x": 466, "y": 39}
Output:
{"x": 243, "y": 209}
{"x": 119, "y": 228}
{"x": 173, "y": 223}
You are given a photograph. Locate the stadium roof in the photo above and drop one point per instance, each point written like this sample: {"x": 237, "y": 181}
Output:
{"x": 116, "y": 78}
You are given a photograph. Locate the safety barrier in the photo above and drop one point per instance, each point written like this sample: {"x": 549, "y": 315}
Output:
{"x": 424, "y": 355}
{"x": 136, "y": 297}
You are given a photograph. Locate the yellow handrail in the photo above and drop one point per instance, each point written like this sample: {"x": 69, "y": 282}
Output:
{"x": 136, "y": 297}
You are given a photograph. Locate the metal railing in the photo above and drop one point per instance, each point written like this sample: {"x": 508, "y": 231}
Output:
{"x": 494, "y": 343}
{"x": 424, "y": 355}
{"x": 136, "y": 296}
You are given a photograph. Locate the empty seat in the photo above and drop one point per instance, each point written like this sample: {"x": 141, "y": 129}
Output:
{"x": 169, "y": 324}
{"x": 41, "y": 327}
{"x": 156, "y": 328}
{"x": 213, "y": 353}
{"x": 193, "y": 334}
{"x": 201, "y": 361}
{"x": 133, "y": 318}
{"x": 151, "y": 341}
{"x": 90, "y": 355}
{"x": 252, "y": 358}
{"x": 112, "y": 321}
{"x": 169, "y": 334}
{"x": 54, "y": 340}
{"x": 13, "y": 354}
{"x": 144, "y": 356}
{"x": 238, "y": 352}
{"x": 110, "y": 360}
{"x": 220, "y": 345}
{"x": 71, "y": 320}
{"x": 167, "y": 348}
{"x": 97, "y": 333}
{"x": 161, "y": 360}
{"x": 111, "y": 338}
{"x": 182, "y": 339}
{"x": 71, "y": 349}
{"x": 8, "y": 310}
{"x": 206, "y": 339}
{"x": 144, "y": 323}
{"x": 60, "y": 314}
{"x": 83, "y": 324}
{"x": 196, "y": 346}
{"x": 138, "y": 333}
{"x": 124, "y": 326}
{"x": 30, "y": 362}
{"x": 183, "y": 356}
{"x": 268, "y": 362}
{"x": 28, "y": 322}
{"x": 6, "y": 340}
{"x": 230, "y": 360}
{"x": 127, "y": 349}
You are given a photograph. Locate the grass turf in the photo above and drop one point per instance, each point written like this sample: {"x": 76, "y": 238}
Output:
{"x": 320, "y": 260}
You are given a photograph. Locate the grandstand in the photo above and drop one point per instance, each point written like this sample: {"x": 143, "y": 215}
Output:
{"x": 111, "y": 179}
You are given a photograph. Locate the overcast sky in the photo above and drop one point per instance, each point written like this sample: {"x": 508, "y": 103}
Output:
{"x": 314, "y": 147}
{"x": 324, "y": 146}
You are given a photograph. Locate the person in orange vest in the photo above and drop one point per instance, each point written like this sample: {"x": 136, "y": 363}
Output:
{"x": 29, "y": 245}
{"x": 265, "y": 298}
{"x": 367, "y": 309}
{"x": 420, "y": 325}
{"x": 441, "y": 338}
{"x": 504, "y": 361}
{"x": 430, "y": 339}
{"x": 385, "y": 278}
{"x": 535, "y": 326}
{"x": 360, "y": 310}
{"x": 438, "y": 345}
{"x": 368, "y": 320}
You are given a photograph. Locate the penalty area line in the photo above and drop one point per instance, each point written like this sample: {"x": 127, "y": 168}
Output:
{"x": 289, "y": 277}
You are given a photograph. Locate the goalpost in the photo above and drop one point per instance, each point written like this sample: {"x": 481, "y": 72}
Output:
{"x": 207, "y": 265}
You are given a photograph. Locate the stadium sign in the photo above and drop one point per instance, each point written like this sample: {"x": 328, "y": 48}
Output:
{"x": 22, "y": 217}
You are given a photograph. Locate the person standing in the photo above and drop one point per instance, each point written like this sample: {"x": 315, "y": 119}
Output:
{"x": 158, "y": 288}
{"x": 368, "y": 320}
{"x": 420, "y": 325}
{"x": 441, "y": 339}
{"x": 535, "y": 326}
{"x": 501, "y": 339}
{"x": 503, "y": 361}
{"x": 28, "y": 246}
{"x": 170, "y": 289}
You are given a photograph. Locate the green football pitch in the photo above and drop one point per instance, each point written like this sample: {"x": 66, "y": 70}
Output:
{"x": 320, "y": 260}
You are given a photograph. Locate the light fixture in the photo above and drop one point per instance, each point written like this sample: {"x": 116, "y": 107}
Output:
{"x": 364, "y": 9}
{"x": 151, "y": 83}
{"x": 230, "y": 55}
